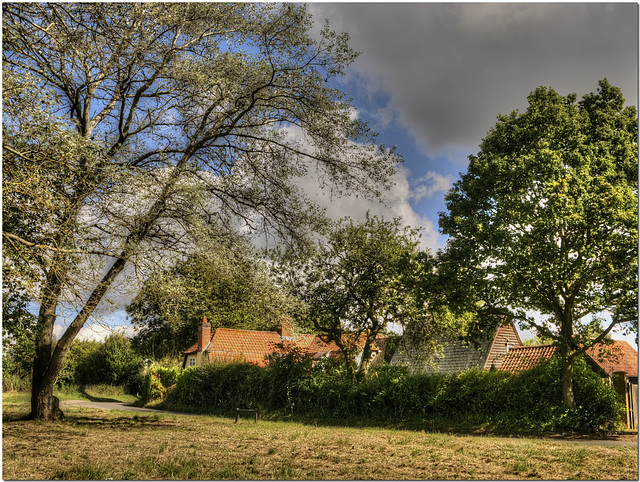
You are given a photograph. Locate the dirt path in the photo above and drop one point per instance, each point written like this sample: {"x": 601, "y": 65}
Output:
{"x": 626, "y": 440}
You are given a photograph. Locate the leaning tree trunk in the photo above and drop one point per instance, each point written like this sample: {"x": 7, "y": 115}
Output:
{"x": 49, "y": 360}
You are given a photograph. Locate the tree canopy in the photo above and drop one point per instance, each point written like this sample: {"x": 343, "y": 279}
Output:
{"x": 134, "y": 132}
{"x": 545, "y": 220}
{"x": 365, "y": 278}
{"x": 230, "y": 285}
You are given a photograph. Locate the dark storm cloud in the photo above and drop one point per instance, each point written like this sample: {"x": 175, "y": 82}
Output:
{"x": 449, "y": 69}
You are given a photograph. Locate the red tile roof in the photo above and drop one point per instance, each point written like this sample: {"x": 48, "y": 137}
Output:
{"x": 320, "y": 348}
{"x": 229, "y": 345}
{"x": 619, "y": 356}
{"x": 520, "y": 358}
{"x": 242, "y": 345}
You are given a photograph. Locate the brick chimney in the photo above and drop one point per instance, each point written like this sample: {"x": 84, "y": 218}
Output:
{"x": 204, "y": 334}
{"x": 286, "y": 327}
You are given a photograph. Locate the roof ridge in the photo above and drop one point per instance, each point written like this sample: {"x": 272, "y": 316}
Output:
{"x": 520, "y": 347}
{"x": 245, "y": 330}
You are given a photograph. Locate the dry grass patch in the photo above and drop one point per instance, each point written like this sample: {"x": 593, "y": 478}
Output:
{"x": 94, "y": 444}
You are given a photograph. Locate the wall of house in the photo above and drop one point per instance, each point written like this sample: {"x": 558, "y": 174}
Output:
{"x": 506, "y": 337}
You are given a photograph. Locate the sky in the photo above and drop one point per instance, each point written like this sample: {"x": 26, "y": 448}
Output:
{"x": 432, "y": 78}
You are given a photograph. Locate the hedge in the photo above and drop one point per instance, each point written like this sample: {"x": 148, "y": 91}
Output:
{"x": 290, "y": 387}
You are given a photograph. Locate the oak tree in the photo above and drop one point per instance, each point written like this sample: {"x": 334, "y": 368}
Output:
{"x": 545, "y": 220}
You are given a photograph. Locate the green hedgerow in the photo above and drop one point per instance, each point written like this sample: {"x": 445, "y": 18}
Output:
{"x": 292, "y": 386}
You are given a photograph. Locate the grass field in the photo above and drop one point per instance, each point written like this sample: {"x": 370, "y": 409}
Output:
{"x": 95, "y": 444}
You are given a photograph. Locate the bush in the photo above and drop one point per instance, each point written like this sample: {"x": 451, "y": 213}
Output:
{"x": 290, "y": 386}
{"x": 157, "y": 380}
{"x": 221, "y": 388}
{"x": 120, "y": 361}
{"x": 282, "y": 374}
{"x": 13, "y": 382}
{"x": 112, "y": 362}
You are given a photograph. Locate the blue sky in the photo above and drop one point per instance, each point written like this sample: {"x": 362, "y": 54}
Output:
{"x": 432, "y": 78}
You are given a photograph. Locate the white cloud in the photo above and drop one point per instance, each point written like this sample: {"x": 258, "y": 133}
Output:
{"x": 108, "y": 324}
{"x": 395, "y": 203}
{"x": 96, "y": 332}
{"x": 430, "y": 184}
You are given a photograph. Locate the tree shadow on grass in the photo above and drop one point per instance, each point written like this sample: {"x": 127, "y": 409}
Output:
{"x": 91, "y": 398}
{"x": 134, "y": 421}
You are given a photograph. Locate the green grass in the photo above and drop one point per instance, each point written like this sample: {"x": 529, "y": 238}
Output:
{"x": 18, "y": 404}
{"x": 83, "y": 472}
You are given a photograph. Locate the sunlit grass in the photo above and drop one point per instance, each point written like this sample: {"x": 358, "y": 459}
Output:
{"x": 16, "y": 405}
{"x": 95, "y": 444}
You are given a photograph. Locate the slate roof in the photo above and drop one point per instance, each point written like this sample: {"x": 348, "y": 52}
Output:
{"x": 619, "y": 356}
{"x": 457, "y": 356}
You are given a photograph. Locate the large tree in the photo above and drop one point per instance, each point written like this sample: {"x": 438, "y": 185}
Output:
{"x": 545, "y": 220}
{"x": 364, "y": 278}
{"x": 164, "y": 125}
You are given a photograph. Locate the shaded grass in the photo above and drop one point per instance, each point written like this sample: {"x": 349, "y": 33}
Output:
{"x": 93, "y": 444}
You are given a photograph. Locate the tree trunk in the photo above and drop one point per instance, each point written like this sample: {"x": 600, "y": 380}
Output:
{"x": 44, "y": 405}
{"x": 49, "y": 361}
{"x": 365, "y": 361}
{"x": 566, "y": 339}
{"x": 567, "y": 382}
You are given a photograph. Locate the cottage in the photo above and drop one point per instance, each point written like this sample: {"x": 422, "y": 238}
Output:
{"x": 616, "y": 362}
{"x": 232, "y": 345}
{"x": 458, "y": 356}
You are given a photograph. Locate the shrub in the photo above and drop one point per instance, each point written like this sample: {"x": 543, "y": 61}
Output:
{"x": 290, "y": 385}
{"x": 120, "y": 361}
{"x": 158, "y": 379}
{"x": 221, "y": 388}
{"x": 282, "y": 375}
{"x": 112, "y": 362}
{"x": 13, "y": 382}
{"x": 152, "y": 388}
{"x": 82, "y": 364}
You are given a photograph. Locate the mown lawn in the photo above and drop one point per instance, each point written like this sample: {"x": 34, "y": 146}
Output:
{"x": 95, "y": 444}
